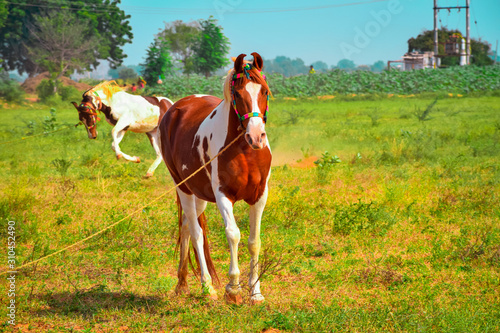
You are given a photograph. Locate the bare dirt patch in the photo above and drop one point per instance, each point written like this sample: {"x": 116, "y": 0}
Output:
{"x": 30, "y": 84}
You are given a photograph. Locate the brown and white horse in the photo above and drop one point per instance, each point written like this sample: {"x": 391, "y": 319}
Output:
{"x": 193, "y": 131}
{"x": 125, "y": 112}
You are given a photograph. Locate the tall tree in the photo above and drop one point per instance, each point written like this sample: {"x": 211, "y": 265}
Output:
{"x": 286, "y": 66}
{"x": 158, "y": 61}
{"x": 425, "y": 42}
{"x": 211, "y": 48}
{"x": 181, "y": 38}
{"x": 346, "y": 64}
{"x": 378, "y": 66}
{"x": 58, "y": 44}
{"x": 106, "y": 21}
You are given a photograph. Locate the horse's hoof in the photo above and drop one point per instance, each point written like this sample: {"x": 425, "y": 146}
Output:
{"x": 233, "y": 298}
{"x": 181, "y": 289}
{"x": 119, "y": 156}
{"x": 208, "y": 291}
{"x": 137, "y": 159}
{"x": 256, "y": 299}
{"x": 148, "y": 175}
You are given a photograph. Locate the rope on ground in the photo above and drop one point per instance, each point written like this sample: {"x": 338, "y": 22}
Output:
{"x": 126, "y": 217}
{"x": 35, "y": 135}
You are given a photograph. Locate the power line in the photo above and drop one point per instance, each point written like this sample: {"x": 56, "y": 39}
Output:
{"x": 165, "y": 10}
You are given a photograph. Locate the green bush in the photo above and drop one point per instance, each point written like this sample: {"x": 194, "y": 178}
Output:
{"x": 69, "y": 93}
{"x": 10, "y": 91}
{"x": 45, "y": 91}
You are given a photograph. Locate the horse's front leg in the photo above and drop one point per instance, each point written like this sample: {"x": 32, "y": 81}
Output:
{"x": 254, "y": 248}
{"x": 117, "y": 133}
{"x": 153, "y": 138}
{"x": 233, "y": 289}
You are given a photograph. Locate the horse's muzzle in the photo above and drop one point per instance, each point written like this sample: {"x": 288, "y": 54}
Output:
{"x": 256, "y": 140}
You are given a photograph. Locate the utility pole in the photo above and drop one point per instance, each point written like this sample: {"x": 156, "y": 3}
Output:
{"x": 467, "y": 22}
{"x": 436, "y": 48}
{"x": 467, "y": 11}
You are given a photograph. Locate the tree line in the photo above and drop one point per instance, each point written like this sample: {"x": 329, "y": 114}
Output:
{"x": 64, "y": 36}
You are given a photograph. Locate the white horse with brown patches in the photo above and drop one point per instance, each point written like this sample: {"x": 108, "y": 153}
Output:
{"x": 125, "y": 112}
{"x": 194, "y": 130}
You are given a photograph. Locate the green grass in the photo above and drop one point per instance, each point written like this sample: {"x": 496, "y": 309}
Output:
{"x": 402, "y": 235}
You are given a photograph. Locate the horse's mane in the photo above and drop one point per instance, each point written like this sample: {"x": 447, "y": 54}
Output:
{"x": 255, "y": 75}
{"x": 108, "y": 88}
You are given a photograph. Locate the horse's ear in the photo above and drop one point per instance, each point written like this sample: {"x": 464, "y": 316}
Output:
{"x": 76, "y": 105}
{"x": 257, "y": 61}
{"x": 238, "y": 63}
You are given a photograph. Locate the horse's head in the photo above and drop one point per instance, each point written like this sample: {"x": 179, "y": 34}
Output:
{"x": 247, "y": 90}
{"x": 87, "y": 113}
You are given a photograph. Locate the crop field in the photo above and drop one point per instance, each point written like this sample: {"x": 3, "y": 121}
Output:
{"x": 395, "y": 228}
{"x": 455, "y": 80}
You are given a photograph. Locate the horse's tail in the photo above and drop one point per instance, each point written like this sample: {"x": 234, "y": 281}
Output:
{"x": 202, "y": 221}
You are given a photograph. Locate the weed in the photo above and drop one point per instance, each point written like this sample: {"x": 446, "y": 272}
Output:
{"x": 50, "y": 122}
{"x": 324, "y": 166}
{"x": 293, "y": 116}
{"x": 474, "y": 243}
{"x": 279, "y": 321}
{"x": 63, "y": 219}
{"x": 361, "y": 216}
{"x": 425, "y": 114}
{"x": 374, "y": 116}
{"x": 62, "y": 165}
{"x": 305, "y": 152}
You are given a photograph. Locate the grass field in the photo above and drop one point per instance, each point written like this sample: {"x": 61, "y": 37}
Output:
{"x": 399, "y": 232}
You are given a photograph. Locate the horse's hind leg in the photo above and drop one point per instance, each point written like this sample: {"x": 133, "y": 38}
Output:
{"x": 254, "y": 248}
{"x": 182, "y": 272}
{"x": 184, "y": 237}
{"x": 153, "y": 138}
{"x": 192, "y": 207}
{"x": 117, "y": 133}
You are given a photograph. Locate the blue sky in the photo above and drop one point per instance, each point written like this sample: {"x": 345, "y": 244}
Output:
{"x": 361, "y": 30}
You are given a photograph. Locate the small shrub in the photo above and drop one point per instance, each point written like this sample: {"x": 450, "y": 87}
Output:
{"x": 10, "y": 90}
{"x": 69, "y": 93}
{"x": 325, "y": 166}
{"x": 52, "y": 92}
{"x": 50, "y": 122}
{"x": 46, "y": 89}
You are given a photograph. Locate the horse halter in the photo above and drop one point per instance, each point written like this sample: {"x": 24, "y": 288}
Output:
{"x": 246, "y": 70}
{"x": 92, "y": 113}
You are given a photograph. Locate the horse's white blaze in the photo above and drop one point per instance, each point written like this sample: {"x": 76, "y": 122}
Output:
{"x": 254, "y": 90}
{"x": 256, "y": 126}
{"x": 184, "y": 167}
